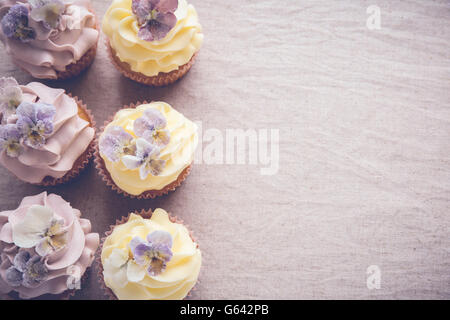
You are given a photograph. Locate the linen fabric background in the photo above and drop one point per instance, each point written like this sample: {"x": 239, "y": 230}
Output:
{"x": 364, "y": 169}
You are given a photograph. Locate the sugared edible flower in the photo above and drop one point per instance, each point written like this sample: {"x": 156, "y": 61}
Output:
{"x": 35, "y": 122}
{"x": 10, "y": 140}
{"x": 117, "y": 266}
{"x": 115, "y": 143}
{"x": 151, "y": 127}
{"x": 47, "y": 11}
{"x": 27, "y": 270}
{"x": 155, "y": 18}
{"x": 41, "y": 230}
{"x": 146, "y": 159}
{"x": 15, "y": 24}
{"x": 150, "y": 256}
{"x": 10, "y": 97}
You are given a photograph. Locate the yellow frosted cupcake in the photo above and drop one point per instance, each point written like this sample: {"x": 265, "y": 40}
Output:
{"x": 149, "y": 256}
{"x": 152, "y": 41}
{"x": 147, "y": 150}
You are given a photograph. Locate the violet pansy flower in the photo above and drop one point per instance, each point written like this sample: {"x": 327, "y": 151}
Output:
{"x": 10, "y": 97}
{"x": 150, "y": 256}
{"x": 10, "y": 140}
{"x": 35, "y": 121}
{"x": 40, "y": 230}
{"x": 146, "y": 159}
{"x": 155, "y": 18}
{"x": 47, "y": 11}
{"x": 115, "y": 143}
{"x": 151, "y": 127}
{"x": 27, "y": 270}
{"x": 15, "y": 24}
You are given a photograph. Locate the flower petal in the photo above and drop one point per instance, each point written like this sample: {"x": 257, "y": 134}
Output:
{"x": 167, "y": 5}
{"x": 29, "y": 232}
{"x": 135, "y": 272}
{"x": 13, "y": 277}
{"x": 141, "y": 253}
{"x": 43, "y": 248}
{"x": 118, "y": 257}
{"x": 160, "y": 237}
{"x": 35, "y": 121}
{"x": 35, "y": 272}
{"x": 21, "y": 259}
{"x": 131, "y": 162}
{"x": 144, "y": 171}
{"x": 155, "y": 30}
{"x": 15, "y": 24}
{"x": 8, "y": 82}
{"x": 142, "y": 127}
{"x": 156, "y": 267}
{"x": 161, "y": 138}
{"x": 10, "y": 140}
{"x": 44, "y": 112}
{"x": 156, "y": 166}
{"x": 10, "y": 99}
{"x": 59, "y": 240}
{"x": 163, "y": 251}
{"x": 168, "y": 20}
{"x": 120, "y": 277}
{"x": 48, "y": 11}
{"x": 135, "y": 242}
{"x": 145, "y": 34}
{"x": 115, "y": 143}
{"x": 142, "y": 9}
{"x": 156, "y": 118}
{"x": 145, "y": 150}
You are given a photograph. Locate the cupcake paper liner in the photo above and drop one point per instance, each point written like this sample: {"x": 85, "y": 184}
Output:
{"x": 74, "y": 69}
{"x": 161, "y": 79}
{"x": 146, "y": 214}
{"x": 104, "y": 174}
{"x": 82, "y": 160}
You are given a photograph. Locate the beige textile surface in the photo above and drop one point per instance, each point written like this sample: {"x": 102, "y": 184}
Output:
{"x": 364, "y": 151}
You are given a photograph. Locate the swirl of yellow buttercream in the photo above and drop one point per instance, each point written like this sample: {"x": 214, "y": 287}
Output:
{"x": 178, "y": 154}
{"x": 181, "y": 272}
{"x": 152, "y": 57}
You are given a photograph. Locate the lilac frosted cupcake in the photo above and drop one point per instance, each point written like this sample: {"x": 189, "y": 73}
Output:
{"x": 46, "y": 136}
{"x": 45, "y": 247}
{"x": 49, "y": 39}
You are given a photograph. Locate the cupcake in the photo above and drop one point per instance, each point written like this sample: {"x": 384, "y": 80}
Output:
{"x": 45, "y": 248}
{"x": 146, "y": 151}
{"x": 46, "y": 136}
{"x": 49, "y": 39}
{"x": 152, "y": 41}
{"x": 149, "y": 256}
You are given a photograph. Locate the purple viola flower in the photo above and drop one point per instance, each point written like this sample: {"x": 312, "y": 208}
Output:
{"x": 154, "y": 253}
{"x": 146, "y": 159}
{"x": 35, "y": 122}
{"x": 26, "y": 270}
{"x": 47, "y": 11}
{"x": 10, "y": 140}
{"x": 115, "y": 143}
{"x": 151, "y": 127}
{"x": 155, "y": 17}
{"x": 10, "y": 97}
{"x": 15, "y": 24}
